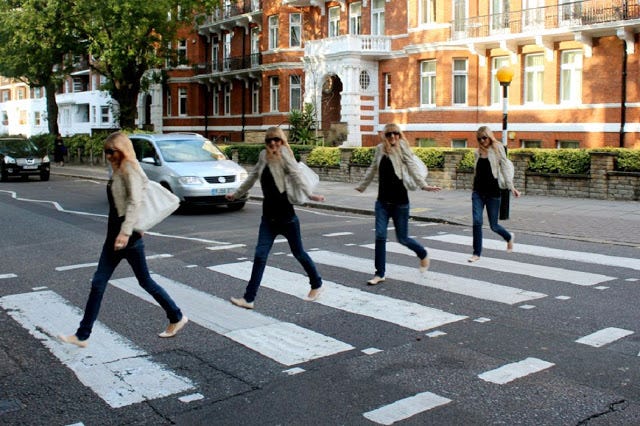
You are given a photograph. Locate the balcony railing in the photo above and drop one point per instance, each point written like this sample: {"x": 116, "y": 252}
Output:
{"x": 367, "y": 45}
{"x": 588, "y": 12}
{"x": 230, "y": 10}
{"x": 231, "y": 64}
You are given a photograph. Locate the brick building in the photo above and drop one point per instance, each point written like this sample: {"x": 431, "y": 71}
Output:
{"x": 428, "y": 65}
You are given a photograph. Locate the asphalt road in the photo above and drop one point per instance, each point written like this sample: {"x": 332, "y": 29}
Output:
{"x": 545, "y": 335}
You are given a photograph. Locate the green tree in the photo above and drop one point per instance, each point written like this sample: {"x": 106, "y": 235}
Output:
{"x": 37, "y": 45}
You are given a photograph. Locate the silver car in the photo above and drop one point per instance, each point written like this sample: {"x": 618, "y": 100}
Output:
{"x": 190, "y": 166}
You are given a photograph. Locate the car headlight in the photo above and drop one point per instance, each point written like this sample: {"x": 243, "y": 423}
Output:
{"x": 9, "y": 160}
{"x": 242, "y": 176}
{"x": 45, "y": 159}
{"x": 191, "y": 180}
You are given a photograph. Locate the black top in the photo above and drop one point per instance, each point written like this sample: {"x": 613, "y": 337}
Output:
{"x": 115, "y": 222}
{"x": 275, "y": 205}
{"x": 483, "y": 181}
{"x": 390, "y": 187}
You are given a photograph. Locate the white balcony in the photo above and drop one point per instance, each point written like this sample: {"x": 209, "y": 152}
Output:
{"x": 369, "y": 46}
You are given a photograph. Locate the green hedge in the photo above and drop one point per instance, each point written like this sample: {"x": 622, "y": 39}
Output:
{"x": 324, "y": 157}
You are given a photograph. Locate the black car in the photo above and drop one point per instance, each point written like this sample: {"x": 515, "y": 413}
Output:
{"x": 21, "y": 157}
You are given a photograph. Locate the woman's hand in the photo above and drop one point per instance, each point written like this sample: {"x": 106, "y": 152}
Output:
{"x": 314, "y": 197}
{"x": 515, "y": 192}
{"x": 359, "y": 189}
{"x": 121, "y": 241}
{"x": 431, "y": 188}
{"x": 230, "y": 197}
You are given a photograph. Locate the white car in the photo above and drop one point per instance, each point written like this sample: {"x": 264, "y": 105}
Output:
{"x": 190, "y": 166}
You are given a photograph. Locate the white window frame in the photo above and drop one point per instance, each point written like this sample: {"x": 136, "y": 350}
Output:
{"x": 216, "y": 101}
{"x": 334, "y": 21}
{"x": 169, "y": 106}
{"x": 227, "y": 99}
{"x": 182, "y": 53}
{"x": 105, "y": 114}
{"x": 273, "y": 32}
{"x": 182, "y": 102}
{"x": 460, "y": 14}
{"x": 427, "y": 12}
{"x": 226, "y": 52}
{"x": 496, "y": 90}
{"x": 215, "y": 57}
{"x": 428, "y": 83}
{"x": 295, "y": 93}
{"x": 255, "y": 98}
{"x": 355, "y": 18}
{"x": 387, "y": 91}
{"x": 37, "y": 118}
{"x": 499, "y": 15}
{"x": 255, "y": 47}
{"x": 534, "y": 79}
{"x": 571, "y": 76}
{"x": 377, "y": 17}
{"x": 460, "y": 81}
{"x": 274, "y": 93}
{"x": 295, "y": 30}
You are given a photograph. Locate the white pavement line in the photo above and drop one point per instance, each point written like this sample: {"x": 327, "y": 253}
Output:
{"x": 604, "y": 336}
{"x": 405, "y": 408}
{"x": 578, "y": 256}
{"x": 111, "y": 366}
{"x": 509, "y": 266}
{"x": 94, "y": 264}
{"x": 516, "y": 370}
{"x": 3, "y": 276}
{"x": 337, "y": 234}
{"x": 226, "y": 247}
{"x": 405, "y": 314}
{"x": 465, "y": 286}
{"x": 283, "y": 342}
{"x": 180, "y": 237}
{"x": 53, "y": 203}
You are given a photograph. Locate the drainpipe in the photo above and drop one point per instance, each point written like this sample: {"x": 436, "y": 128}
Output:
{"x": 245, "y": 83}
{"x": 623, "y": 97}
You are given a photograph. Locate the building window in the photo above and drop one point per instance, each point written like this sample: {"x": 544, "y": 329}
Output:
{"x": 295, "y": 93}
{"x": 255, "y": 98}
{"x": 571, "y": 76}
{"x": 169, "y": 100}
{"x": 37, "y": 92}
{"x": 334, "y": 21}
{"x": 427, "y": 11}
{"x": 215, "y": 61}
{"x": 387, "y": 91}
{"x": 227, "y": 99}
{"x": 531, "y": 144}
{"x": 273, "y": 32}
{"x": 499, "y": 14}
{"x": 37, "y": 118}
{"x": 460, "y": 81}
{"x": 496, "y": 89}
{"x": 460, "y": 11}
{"x": 365, "y": 80}
{"x": 5, "y": 118}
{"x": 533, "y": 78}
{"x": 428, "y": 83}
{"x": 22, "y": 114}
{"x": 94, "y": 114}
{"x": 458, "y": 143}
{"x": 426, "y": 142}
{"x": 20, "y": 93}
{"x": 274, "y": 91}
{"x": 355, "y": 18}
{"x": 104, "y": 114}
{"x": 295, "y": 30}
{"x": 182, "y": 53}
{"x": 5, "y": 96}
{"x": 255, "y": 47}
{"x": 182, "y": 101}
{"x": 377, "y": 17}
{"x": 77, "y": 85}
{"x": 226, "y": 52}
{"x": 568, "y": 144}
{"x": 216, "y": 102}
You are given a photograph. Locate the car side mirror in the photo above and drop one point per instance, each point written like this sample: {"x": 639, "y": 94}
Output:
{"x": 150, "y": 160}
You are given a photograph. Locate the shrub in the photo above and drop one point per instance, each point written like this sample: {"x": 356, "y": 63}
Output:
{"x": 362, "y": 156}
{"x": 628, "y": 160}
{"x": 564, "y": 161}
{"x": 44, "y": 142}
{"x": 468, "y": 161}
{"x": 433, "y": 158}
{"x": 302, "y": 125}
{"x": 324, "y": 157}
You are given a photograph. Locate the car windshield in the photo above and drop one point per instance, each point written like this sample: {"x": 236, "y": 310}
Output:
{"x": 190, "y": 150}
{"x": 17, "y": 147}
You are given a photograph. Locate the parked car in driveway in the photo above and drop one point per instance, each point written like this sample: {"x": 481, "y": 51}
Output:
{"x": 190, "y": 166}
{"x": 21, "y": 158}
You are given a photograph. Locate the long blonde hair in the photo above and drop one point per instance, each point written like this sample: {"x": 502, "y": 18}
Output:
{"x": 276, "y": 132}
{"x": 486, "y": 131}
{"x": 121, "y": 142}
{"x": 391, "y": 127}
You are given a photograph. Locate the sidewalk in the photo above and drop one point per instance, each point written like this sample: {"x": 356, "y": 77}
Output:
{"x": 617, "y": 222}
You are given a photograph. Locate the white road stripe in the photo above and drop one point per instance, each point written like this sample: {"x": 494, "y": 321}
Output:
{"x": 3, "y": 276}
{"x": 578, "y": 256}
{"x": 509, "y": 266}
{"x": 94, "y": 264}
{"x": 283, "y": 342}
{"x": 465, "y": 286}
{"x": 227, "y": 247}
{"x": 338, "y": 234}
{"x": 516, "y": 370}
{"x": 604, "y": 336}
{"x": 405, "y": 408}
{"x": 406, "y": 314}
{"x": 112, "y": 366}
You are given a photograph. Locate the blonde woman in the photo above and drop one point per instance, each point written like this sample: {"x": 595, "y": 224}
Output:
{"x": 278, "y": 214}
{"x": 124, "y": 192}
{"x": 390, "y": 157}
{"x": 491, "y": 166}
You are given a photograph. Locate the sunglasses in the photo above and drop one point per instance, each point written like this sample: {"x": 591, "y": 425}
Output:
{"x": 482, "y": 138}
{"x": 389, "y": 134}
{"x": 269, "y": 140}
{"x": 110, "y": 151}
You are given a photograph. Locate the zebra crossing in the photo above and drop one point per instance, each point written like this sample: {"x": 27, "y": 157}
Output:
{"x": 121, "y": 373}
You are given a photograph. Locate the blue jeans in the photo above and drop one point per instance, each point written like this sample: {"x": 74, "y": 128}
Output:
{"x": 400, "y": 215}
{"x": 266, "y": 235}
{"x": 478, "y": 203}
{"x": 109, "y": 259}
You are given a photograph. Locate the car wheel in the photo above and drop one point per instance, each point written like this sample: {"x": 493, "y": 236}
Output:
{"x": 236, "y": 206}
{"x": 4, "y": 176}
{"x": 44, "y": 176}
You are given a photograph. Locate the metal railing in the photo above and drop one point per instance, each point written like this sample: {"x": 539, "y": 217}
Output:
{"x": 236, "y": 63}
{"x": 349, "y": 43}
{"x": 229, "y": 10}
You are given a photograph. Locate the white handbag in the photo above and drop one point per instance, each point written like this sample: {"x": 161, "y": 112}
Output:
{"x": 310, "y": 179}
{"x": 157, "y": 204}
{"x": 408, "y": 180}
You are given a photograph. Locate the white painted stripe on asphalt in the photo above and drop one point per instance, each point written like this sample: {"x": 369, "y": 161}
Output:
{"x": 405, "y": 408}
{"x": 283, "y": 342}
{"x": 3, "y": 276}
{"x": 111, "y": 366}
{"x": 406, "y": 314}
{"x": 227, "y": 247}
{"x": 503, "y": 265}
{"x": 578, "y": 256}
{"x": 465, "y": 286}
{"x": 94, "y": 264}
{"x": 190, "y": 398}
{"x": 516, "y": 370}
{"x": 338, "y": 234}
{"x": 159, "y": 256}
{"x": 604, "y": 336}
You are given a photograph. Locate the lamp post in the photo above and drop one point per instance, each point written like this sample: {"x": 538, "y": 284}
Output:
{"x": 504, "y": 76}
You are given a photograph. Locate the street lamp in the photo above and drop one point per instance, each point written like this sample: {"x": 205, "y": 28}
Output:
{"x": 504, "y": 76}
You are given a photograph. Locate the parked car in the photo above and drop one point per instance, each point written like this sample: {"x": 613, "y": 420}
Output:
{"x": 21, "y": 157}
{"x": 190, "y": 166}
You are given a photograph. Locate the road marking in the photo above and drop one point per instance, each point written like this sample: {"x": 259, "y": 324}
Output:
{"x": 94, "y": 264}
{"x": 111, "y": 366}
{"x": 509, "y": 266}
{"x": 4, "y": 276}
{"x": 190, "y": 398}
{"x": 405, "y": 314}
{"x": 578, "y": 256}
{"x": 604, "y": 336}
{"x": 516, "y": 370}
{"x": 227, "y": 247}
{"x": 283, "y": 342}
{"x": 405, "y": 408}
{"x": 337, "y": 234}
{"x": 465, "y": 286}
